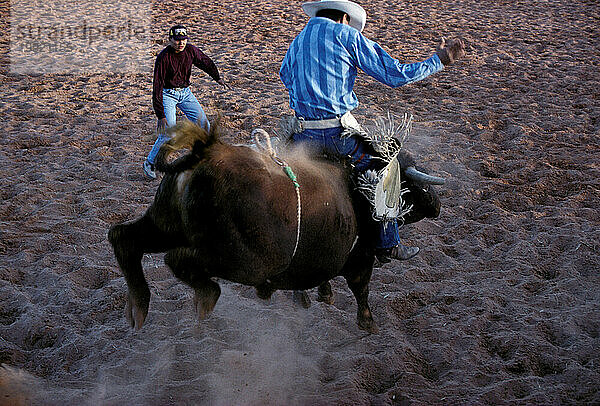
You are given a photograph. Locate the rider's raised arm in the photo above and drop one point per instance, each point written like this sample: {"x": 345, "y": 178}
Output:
{"x": 376, "y": 62}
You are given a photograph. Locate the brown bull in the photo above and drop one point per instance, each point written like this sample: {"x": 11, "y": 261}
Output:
{"x": 231, "y": 212}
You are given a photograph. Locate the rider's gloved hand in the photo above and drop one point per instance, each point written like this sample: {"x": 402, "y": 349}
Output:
{"x": 450, "y": 51}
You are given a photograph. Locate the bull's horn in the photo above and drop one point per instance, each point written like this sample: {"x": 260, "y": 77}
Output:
{"x": 414, "y": 174}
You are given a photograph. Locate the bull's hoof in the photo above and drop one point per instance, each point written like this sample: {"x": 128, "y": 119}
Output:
{"x": 365, "y": 322}
{"x": 205, "y": 299}
{"x": 327, "y": 299}
{"x": 368, "y": 325}
{"x": 302, "y": 298}
{"x": 136, "y": 308}
{"x": 325, "y": 294}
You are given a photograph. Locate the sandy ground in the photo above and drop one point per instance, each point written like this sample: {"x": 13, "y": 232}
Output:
{"x": 502, "y": 306}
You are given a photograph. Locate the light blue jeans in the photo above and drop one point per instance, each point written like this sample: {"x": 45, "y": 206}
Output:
{"x": 330, "y": 141}
{"x": 188, "y": 104}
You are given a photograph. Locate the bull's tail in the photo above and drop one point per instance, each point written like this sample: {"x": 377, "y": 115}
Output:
{"x": 190, "y": 136}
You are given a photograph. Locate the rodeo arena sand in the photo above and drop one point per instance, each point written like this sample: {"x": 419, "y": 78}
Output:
{"x": 501, "y": 306}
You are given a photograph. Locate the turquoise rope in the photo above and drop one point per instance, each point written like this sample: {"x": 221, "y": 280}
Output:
{"x": 291, "y": 175}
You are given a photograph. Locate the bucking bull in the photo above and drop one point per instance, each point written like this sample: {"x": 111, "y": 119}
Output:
{"x": 231, "y": 212}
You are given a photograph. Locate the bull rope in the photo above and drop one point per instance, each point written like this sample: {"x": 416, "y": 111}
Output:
{"x": 288, "y": 171}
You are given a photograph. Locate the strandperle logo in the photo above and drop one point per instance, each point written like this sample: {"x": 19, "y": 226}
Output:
{"x": 88, "y": 33}
{"x": 60, "y": 36}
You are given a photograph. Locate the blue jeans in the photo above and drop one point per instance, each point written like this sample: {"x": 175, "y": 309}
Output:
{"x": 330, "y": 141}
{"x": 188, "y": 104}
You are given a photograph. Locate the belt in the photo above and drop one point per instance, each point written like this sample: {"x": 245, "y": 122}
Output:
{"x": 175, "y": 89}
{"x": 320, "y": 124}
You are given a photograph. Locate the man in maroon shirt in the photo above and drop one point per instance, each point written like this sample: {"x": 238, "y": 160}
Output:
{"x": 172, "y": 71}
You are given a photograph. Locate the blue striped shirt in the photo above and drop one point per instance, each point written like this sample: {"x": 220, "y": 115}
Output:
{"x": 320, "y": 67}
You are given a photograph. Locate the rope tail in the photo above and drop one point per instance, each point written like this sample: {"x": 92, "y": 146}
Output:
{"x": 288, "y": 171}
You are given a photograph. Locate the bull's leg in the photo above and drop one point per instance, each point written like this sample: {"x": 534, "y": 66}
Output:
{"x": 129, "y": 242}
{"x": 358, "y": 275}
{"x": 325, "y": 294}
{"x": 187, "y": 265}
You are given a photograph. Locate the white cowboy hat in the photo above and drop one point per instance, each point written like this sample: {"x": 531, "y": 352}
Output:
{"x": 357, "y": 14}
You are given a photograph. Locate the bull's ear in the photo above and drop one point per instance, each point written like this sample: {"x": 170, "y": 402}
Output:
{"x": 406, "y": 160}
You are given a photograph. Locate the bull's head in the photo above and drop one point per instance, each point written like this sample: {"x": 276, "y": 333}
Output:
{"x": 421, "y": 195}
